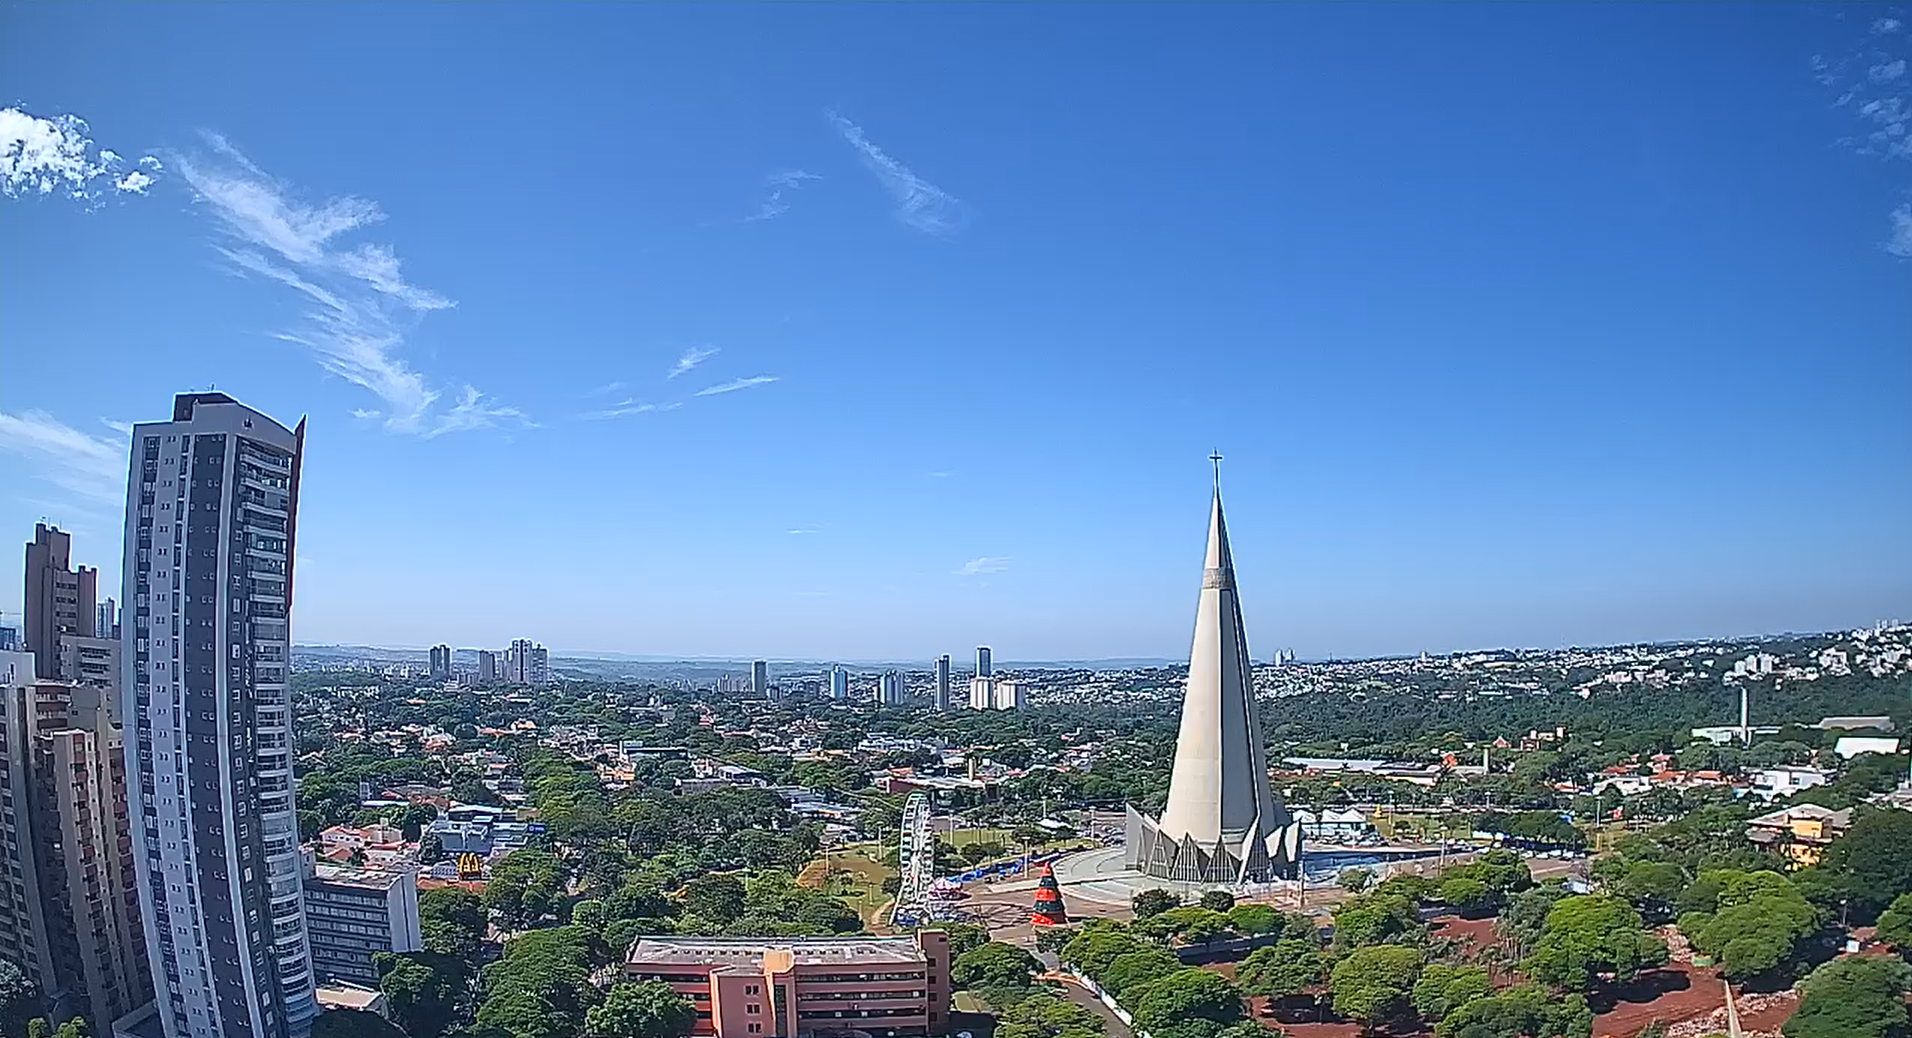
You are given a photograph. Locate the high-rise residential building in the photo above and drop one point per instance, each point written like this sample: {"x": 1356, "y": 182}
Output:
{"x": 91, "y": 661}
{"x": 106, "y": 619}
{"x": 1009, "y": 695}
{"x": 69, "y": 904}
{"x": 982, "y": 693}
{"x": 487, "y": 665}
{"x": 942, "y": 684}
{"x": 527, "y": 663}
{"x": 211, "y": 511}
{"x": 760, "y": 679}
{"x": 839, "y": 683}
{"x": 353, "y": 914}
{"x": 983, "y": 668}
{"x": 889, "y": 688}
{"x": 60, "y": 600}
{"x": 441, "y": 663}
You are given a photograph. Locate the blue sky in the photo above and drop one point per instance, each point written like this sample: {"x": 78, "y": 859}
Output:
{"x": 863, "y": 331}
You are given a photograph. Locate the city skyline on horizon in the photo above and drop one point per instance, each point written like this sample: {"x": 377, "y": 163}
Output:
{"x": 825, "y": 360}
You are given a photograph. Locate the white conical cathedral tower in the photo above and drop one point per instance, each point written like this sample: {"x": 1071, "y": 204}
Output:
{"x": 1223, "y": 823}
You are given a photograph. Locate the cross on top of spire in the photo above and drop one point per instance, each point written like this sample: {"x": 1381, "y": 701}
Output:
{"x": 1217, "y": 459}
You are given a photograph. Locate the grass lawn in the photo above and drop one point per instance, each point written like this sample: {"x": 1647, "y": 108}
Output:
{"x": 852, "y": 875}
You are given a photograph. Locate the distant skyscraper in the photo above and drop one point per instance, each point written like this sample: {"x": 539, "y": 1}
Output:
{"x": 487, "y": 665}
{"x": 942, "y": 684}
{"x": 839, "y": 683}
{"x": 9, "y": 639}
{"x": 106, "y": 619}
{"x": 211, "y": 510}
{"x": 69, "y": 917}
{"x": 527, "y": 663}
{"x": 1009, "y": 695}
{"x": 982, "y": 693}
{"x": 760, "y": 679}
{"x": 59, "y": 599}
{"x": 983, "y": 669}
{"x": 889, "y": 688}
{"x": 441, "y": 662}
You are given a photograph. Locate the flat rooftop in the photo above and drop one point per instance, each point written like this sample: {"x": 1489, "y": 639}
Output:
{"x": 369, "y": 879}
{"x": 741, "y": 951}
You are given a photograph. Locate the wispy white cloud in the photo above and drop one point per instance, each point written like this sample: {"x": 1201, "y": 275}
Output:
{"x": 736, "y": 384}
{"x": 1899, "y": 241}
{"x": 627, "y": 407}
{"x": 984, "y": 564}
{"x": 689, "y": 359}
{"x": 775, "y": 205}
{"x": 1871, "y": 83}
{"x": 92, "y": 468}
{"x": 607, "y": 389}
{"x": 801, "y": 532}
{"x": 358, "y": 304}
{"x": 919, "y": 203}
{"x": 40, "y": 156}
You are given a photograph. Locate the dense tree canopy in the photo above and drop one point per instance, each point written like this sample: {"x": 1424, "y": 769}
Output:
{"x": 1853, "y": 997}
{"x": 647, "y": 1010}
{"x": 1588, "y": 938}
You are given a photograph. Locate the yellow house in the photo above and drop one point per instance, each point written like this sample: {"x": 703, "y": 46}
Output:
{"x": 1800, "y": 833}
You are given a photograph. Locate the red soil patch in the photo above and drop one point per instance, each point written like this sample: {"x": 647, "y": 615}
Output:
{"x": 1683, "y": 993}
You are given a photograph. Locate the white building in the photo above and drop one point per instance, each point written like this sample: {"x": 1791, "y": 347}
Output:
{"x": 354, "y": 914}
{"x": 1010, "y": 695}
{"x": 839, "y": 683}
{"x": 207, "y": 579}
{"x": 1768, "y": 783}
{"x": 889, "y": 688}
{"x": 1850, "y": 746}
{"x": 982, "y": 693}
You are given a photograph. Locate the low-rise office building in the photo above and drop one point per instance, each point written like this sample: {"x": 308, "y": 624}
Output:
{"x": 799, "y": 987}
{"x": 353, "y": 914}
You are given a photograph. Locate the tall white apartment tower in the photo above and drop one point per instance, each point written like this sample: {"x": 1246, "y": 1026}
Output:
{"x": 210, "y": 507}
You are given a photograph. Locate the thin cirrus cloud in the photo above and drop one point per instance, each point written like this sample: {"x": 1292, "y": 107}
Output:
{"x": 90, "y": 469}
{"x": 780, "y": 183}
{"x": 627, "y": 407}
{"x": 689, "y": 359}
{"x": 358, "y": 304}
{"x": 919, "y": 203}
{"x": 55, "y": 157}
{"x": 735, "y": 384}
{"x": 1874, "y": 87}
{"x": 984, "y": 564}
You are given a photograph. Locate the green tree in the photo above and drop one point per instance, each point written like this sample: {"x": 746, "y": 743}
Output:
{"x": 1465, "y": 894}
{"x": 964, "y": 936}
{"x": 1190, "y": 1003}
{"x": 1254, "y": 919}
{"x": 719, "y": 899}
{"x": 1097, "y": 947}
{"x": 993, "y": 966}
{"x": 451, "y": 921}
{"x": 647, "y": 1010}
{"x": 19, "y": 1001}
{"x": 353, "y": 1023}
{"x": 589, "y": 913}
{"x": 1354, "y": 881}
{"x": 1895, "y": 925}
{"x": 1519, "y": 1012}
{"x": 1043, "y": 1015}
{"x": 1381, "y": 916}
{"x": 1872, "y": 863}
{"x": 1371, "y": 985}
{"x": 423, "y": 990}
{"x": 1761, "y": 922}
{"x": 39, "y": 1027}
{"x": 521, "y": 1013}
{"x": 1586, "y": 938}
{"x": 1153, "y": 901}
{"x": 1133, "y": 969}
{"x": 1853, "y": 997}
{"x": 1443, "y": 988}
{"x": 1217, "y": 900}
{"x": 1287, "y": 967}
